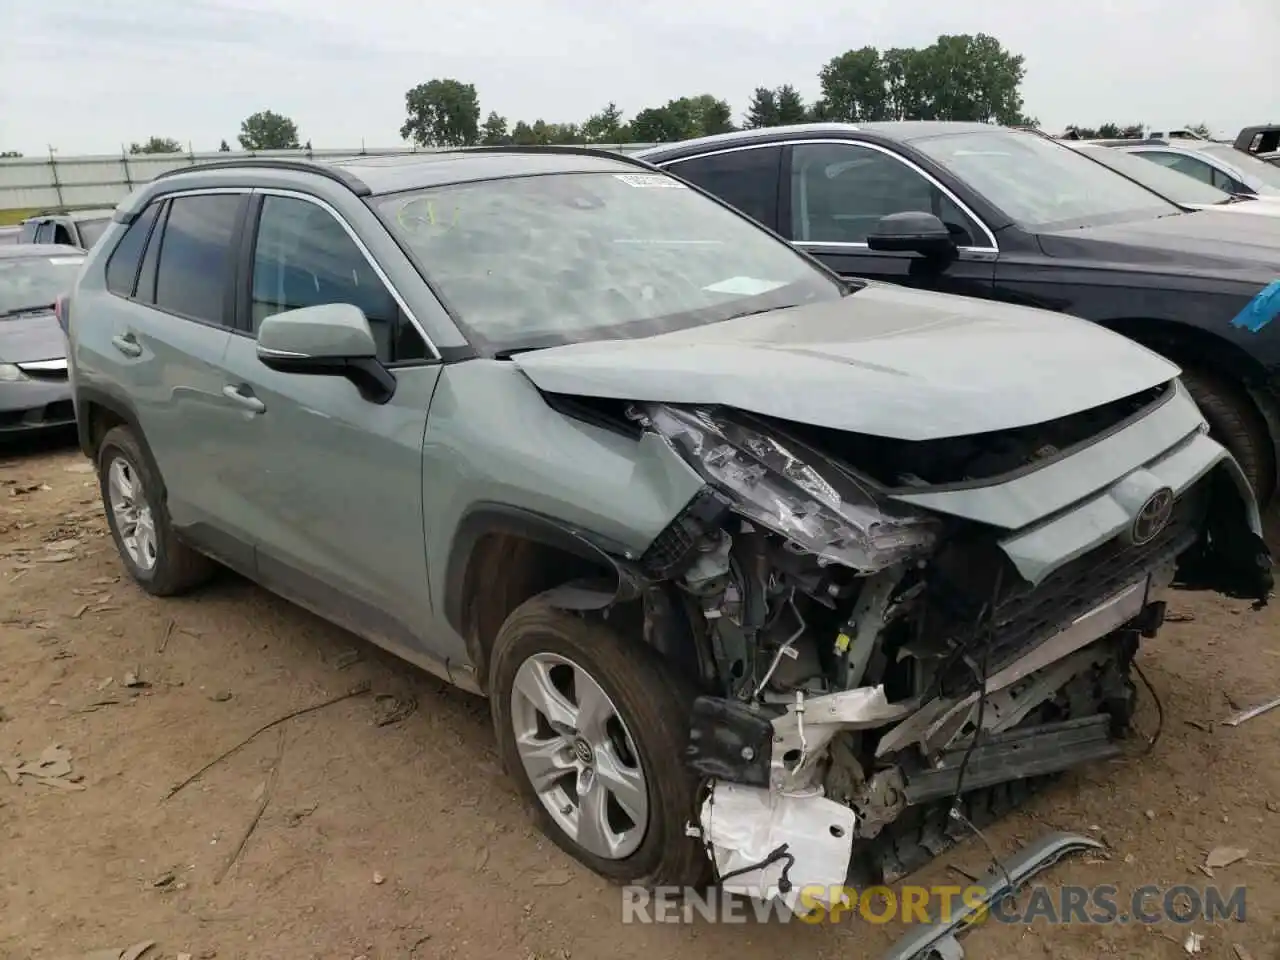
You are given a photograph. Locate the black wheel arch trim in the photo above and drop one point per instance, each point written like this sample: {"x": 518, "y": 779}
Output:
{"x": 86, "y": 398}
{"x": 485, "y": 518}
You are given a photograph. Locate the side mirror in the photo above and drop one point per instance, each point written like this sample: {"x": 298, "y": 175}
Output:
{"x": 332, "y": 340}
{"x": 913, "y": 231}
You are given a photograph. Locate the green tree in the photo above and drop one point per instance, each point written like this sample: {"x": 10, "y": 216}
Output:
{"x": 791, "y": 108}
{"x": 522, "y": 134}
{"x": 1135, "y": 131}
{"x": 442, "y": 113}
{"x": 156, "y": 145}
{"x": 972, "y": 77}
{"x": 10, "y": 153}
{"x": 268, "y": 130}
{"x": 1109, "y": 131}
{"x": 682, "y": 119}
{"x": 905, "y": 95}
{"x": 224, "y": 147}
{"x": 494, "y": 130}
{"x": 853, "y": 86}
{"x": 1200, "y": 130}
{"x": 762, "y": 111}
{"x": 606, "y": 126}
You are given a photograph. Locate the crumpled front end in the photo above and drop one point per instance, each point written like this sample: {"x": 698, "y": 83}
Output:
{"x": 896, "y": 638}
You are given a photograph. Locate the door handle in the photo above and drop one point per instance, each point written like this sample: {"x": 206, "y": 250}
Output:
{"x": 248, "y": 401}
{"x": 127, "y": 345}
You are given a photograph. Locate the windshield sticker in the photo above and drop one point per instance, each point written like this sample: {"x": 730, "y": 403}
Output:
{"x": 62, "y": 261}
{"x": 1261, "y": 310}
{"x": 650, "y": 180}
{"x": 744, "y": 286}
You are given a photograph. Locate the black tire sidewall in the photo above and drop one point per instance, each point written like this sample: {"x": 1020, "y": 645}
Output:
{"x": 653, "y": 707}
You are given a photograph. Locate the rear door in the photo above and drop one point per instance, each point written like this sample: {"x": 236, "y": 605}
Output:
{"x": 169, "y": 327}
{"x": 837, "y": 191}
{"x": 331, "y": 483}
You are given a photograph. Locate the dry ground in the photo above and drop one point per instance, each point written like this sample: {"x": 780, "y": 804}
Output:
{"x": 404, "y": 839}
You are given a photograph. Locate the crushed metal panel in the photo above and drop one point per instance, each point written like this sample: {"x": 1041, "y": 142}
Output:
{"x": 1047, "y": 489}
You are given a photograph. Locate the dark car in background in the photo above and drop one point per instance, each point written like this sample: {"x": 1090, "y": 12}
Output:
{"x": 1006, "y": 215}
{"x": 35, "y": 394}
{"x": 77, "y": 228}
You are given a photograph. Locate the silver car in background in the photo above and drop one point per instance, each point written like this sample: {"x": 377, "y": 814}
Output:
{"x": 34, "y": 391}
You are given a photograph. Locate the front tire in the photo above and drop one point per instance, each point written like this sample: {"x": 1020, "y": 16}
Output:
{"x": 593, "y": 729}
{"x": 157, "y": 560}
{"x": 1236, "y": 424}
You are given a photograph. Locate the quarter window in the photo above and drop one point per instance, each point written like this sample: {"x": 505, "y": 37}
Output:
{"x": 303, "y": 257}
{"x": 746, "y": 179}
{"x": 122, "y": 265}
{"x": 1183, "y": 164}
{"x": 839, "y": 192}
{"x": 193, "y": 272}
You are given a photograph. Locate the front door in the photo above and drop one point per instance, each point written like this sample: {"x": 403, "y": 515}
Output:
{"x": 839, "y": 190}
{"x": 332, "y": 484}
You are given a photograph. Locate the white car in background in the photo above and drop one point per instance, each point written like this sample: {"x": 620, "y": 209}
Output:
{"x": 1185, "y": 191}
{"x": 1217, "y": 164}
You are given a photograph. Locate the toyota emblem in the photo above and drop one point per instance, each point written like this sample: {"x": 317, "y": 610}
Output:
{"x": 1152, "y": 518}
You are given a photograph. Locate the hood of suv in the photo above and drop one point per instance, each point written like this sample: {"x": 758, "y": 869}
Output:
{"x": 1211, "y": 241}
{"x": 886, "y": 361}
{"x": 30, "y": 337}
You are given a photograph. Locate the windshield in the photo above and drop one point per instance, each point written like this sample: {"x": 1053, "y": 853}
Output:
{"x": 1040, "y": 184}
{"x": 1170, "y": 184}
{"x": 545, "y": 260}
{"x": 91, "y": 231}
{"x": 32, "y": 283}
{"x": 1247, "y": 164}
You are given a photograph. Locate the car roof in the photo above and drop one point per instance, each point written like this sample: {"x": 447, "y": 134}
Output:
{"x": 103, "y": 213}
{"x": 900, "y": 130}
{"x": 394, "y": 173}
{"x": 33, "y": 251}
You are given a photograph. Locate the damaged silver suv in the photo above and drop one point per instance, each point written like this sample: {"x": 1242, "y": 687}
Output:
{"x": 763, "y": 572}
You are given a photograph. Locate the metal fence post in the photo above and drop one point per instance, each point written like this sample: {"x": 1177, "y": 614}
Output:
{"x": 53, "y": 171}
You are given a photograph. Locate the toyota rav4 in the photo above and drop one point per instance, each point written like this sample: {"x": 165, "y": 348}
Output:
{"x": 765, "y": 573}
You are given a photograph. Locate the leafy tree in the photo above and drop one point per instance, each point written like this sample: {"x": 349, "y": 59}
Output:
{"x": 1109, "y": 131}
{"x": 494, "y": 131}
{"x": 443, "y": 113}
{"x": 223, "y": 147}
{"x": 267, "y": 130}
{"x": 791, "y": 108}
{"x": 1201, "y": 130}
{"x": 762, "y": 111}
{"x": 682, "y": 119}
{"x": 522, "y": 134}
{"x": 10, "y": 153}
{"x": 1135, "y": 131}
{"x": 606, "y": 126}
{"x": 853, "y": 86}
{"x": 157, "y": 145}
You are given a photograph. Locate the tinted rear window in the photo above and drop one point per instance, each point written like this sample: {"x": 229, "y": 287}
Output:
{"x": 91, "y": 231}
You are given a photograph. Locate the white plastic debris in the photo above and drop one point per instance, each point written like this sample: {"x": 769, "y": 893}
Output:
{"x": 747, "y": 825}
{"x": 1193, "y": 942}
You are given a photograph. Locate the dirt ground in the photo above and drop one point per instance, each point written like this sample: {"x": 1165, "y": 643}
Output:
{"x": 403, "y": 839}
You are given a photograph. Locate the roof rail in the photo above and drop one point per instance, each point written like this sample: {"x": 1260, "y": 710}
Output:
{"x": 567, "y": 148}
{"x": 332, "y": 172}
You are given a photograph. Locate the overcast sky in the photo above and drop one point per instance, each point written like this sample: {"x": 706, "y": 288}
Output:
{"x": 86, "y": 78}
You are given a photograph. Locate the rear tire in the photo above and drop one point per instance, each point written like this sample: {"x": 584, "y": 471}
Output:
{"x": 1234, "y": 422}
{"x": 567, "y": 662}
{"x": 157, "y": 560}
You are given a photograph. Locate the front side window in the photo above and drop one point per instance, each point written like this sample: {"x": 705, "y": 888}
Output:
{"x": 1041, "y": 184}
{"x": 194, "y": 266}
{"x": 34, "y": 283}
{"x": 746, "y": 179}
{"x": 303, "y": 257}
{"x": 44, "y": 232}
{"x": 840, "y": 191}
{"x": 535, "y": 261}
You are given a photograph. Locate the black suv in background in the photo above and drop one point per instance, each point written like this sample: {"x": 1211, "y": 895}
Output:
{"x": 78, "y": 228}
{"x": 1001, "y": 214}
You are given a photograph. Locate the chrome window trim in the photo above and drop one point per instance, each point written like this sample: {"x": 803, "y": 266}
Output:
{"x": 994, "y": 247}
{"x": 365, "y": 252}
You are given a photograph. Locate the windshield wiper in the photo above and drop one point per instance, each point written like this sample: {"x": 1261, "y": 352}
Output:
{"x": 38, "y": 308}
